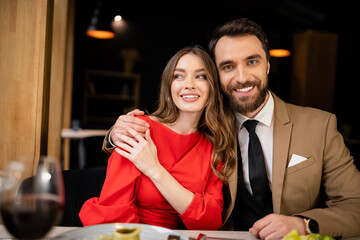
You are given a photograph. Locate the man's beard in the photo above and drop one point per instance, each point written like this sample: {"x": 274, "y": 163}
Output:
{"x": 241, "y": 104}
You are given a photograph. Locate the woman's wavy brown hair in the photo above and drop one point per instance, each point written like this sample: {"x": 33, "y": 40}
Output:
{"x": 217, "y": 120}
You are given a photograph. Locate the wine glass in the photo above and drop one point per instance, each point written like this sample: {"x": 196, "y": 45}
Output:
{"x": 31, "y": 206}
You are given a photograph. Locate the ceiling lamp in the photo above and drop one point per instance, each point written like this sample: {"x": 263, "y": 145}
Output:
{"x": 99, "y": 27}
{"x": 279, "y": 52}
{"x": 280, "y": 42}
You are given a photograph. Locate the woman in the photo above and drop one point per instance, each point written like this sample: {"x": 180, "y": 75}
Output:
{"x": 173, "y": 176}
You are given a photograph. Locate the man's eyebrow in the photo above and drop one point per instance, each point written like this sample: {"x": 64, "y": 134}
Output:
{"x": 254, "y": 56}
{"x": 224, "y": 63}
{"x": 251, "y": 57}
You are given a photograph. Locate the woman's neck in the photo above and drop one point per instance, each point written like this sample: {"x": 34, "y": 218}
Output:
{"x": 185, "y": 124}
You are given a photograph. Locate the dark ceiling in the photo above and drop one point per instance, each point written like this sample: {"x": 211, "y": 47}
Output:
{"x": 278, "y": 17}
{"x": 296, "y": 14}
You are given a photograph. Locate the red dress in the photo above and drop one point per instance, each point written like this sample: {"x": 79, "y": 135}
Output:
{"x": 128, "y": 196}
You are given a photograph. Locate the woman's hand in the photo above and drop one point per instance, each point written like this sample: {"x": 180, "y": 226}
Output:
{"x": 141, "y": 151}
{"x": 125, "y": 122}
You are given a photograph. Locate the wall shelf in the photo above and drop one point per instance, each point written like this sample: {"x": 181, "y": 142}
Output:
{"x": 107, "y": 95}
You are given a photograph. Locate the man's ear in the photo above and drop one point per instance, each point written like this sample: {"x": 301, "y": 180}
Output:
{"x": 268, "y": 68}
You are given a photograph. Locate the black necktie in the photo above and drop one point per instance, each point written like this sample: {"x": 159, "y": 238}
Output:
{"x": 257, "y": 170}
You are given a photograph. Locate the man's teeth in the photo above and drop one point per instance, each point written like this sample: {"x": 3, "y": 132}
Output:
{"x": 190, "y": 96}
{"x": 244, "y": 89}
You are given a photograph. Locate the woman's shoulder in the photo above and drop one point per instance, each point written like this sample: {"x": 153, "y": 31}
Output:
{"x": 144, "y": 117}
{"x": 151, "y": 120}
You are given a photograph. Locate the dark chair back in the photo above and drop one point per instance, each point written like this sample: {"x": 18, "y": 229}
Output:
{"x": 80, "y": 185}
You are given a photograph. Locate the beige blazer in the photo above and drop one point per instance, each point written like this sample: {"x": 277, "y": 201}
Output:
{"x": 326, "y": 186}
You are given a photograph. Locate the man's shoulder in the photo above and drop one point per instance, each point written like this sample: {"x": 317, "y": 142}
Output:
{"x": 306, "y": 110}
{"x": 304, "y": 113}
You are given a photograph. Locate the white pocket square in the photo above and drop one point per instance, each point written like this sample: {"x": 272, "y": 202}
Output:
{"x": 296, "y": 159}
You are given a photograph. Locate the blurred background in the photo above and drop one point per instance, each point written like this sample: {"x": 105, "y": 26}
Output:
{"x": 157, "y": 30}
{"x": 57, "y": 79}
{"x": 319, "y": 34}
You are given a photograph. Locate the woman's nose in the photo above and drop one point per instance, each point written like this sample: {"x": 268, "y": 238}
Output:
{"x": 190, "y": 83}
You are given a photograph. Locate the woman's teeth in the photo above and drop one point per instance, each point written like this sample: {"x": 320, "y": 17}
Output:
{"x": 190, "y": 96}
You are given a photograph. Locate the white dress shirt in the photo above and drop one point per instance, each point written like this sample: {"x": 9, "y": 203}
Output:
{"x": 264, "y": 130}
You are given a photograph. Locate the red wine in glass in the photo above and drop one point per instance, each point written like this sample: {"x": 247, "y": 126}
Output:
{"x": 30, "y": 216}
{"x": 32, "y": 207}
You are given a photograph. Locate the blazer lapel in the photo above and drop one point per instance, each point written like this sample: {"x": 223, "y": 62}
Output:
{"x": 281, "y": 142}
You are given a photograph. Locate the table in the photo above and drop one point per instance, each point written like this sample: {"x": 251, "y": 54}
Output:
{"x": 67, "y": 134}
{"x": 218, "y": 234}
{"x": 82, "y": 133}
{"x": 235, "y": 235}
{"x": 190, "y": 233}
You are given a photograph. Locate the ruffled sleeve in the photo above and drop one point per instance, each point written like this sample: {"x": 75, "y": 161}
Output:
{"x": 204, "y": 212}
{"x": 118, "y": 195}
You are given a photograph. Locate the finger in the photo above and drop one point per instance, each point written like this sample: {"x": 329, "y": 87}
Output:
{"x": 274, "y": 235}
{"x": 263, "y": 222}
{"x": 148, "y": 136}
{"x": 132, "y": 113}
{"x": 254, "y": 232}
{"x": 123, "y": 153}
{"x": 267, "y": 231}
{"x": 139, "y": 121}
{"x": 117, "y": 138}
{"x": 117, "y": 135}
{"x": 136, "y": 135}
{"x": 258, "y": 226}
{"x": 137, "y": 112}
{"x": 128, "y": 140}
{"x": 129, "y": 119}
{"x": 139, "y": 128}
{"x": 126, "y": 147}
{"x": 136, "y": 123}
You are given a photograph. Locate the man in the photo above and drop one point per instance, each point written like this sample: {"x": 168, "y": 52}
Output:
{"x": 313, "y": 180}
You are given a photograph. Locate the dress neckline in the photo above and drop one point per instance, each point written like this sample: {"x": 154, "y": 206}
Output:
{"x": 166, "y": 128}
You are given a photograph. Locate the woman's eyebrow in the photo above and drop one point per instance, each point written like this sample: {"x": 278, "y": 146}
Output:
{"x": 197, "y": 70}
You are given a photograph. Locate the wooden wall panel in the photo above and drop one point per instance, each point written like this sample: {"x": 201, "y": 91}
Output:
{"x": 68, "y": 85}
{"x": 25, "y": 50}
{"x": 314, "y": 69}
{"x": 58, "y": 64}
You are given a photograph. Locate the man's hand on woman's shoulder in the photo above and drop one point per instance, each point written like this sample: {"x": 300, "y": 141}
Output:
{"x": 128, "y": 121}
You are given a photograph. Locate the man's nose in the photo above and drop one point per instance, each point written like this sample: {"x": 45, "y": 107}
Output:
{"x": 242, "y": 75}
